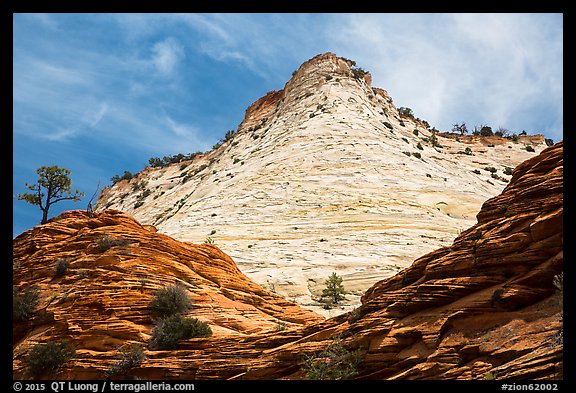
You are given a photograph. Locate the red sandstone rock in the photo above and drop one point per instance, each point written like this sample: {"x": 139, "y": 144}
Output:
{"x": 484, "y": 307}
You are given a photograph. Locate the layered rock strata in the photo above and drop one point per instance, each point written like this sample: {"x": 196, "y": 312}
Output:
{"x": 325, "y": 176}
{"x": 484, "y": 307}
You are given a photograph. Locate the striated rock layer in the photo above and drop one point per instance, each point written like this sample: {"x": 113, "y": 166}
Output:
{"x": 325, "y": 175}
{"x": 115, "y": 266}
{"x": 485, "y": 307}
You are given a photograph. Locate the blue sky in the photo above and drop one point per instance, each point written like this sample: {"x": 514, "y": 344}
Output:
{"x": 99, "y": 94}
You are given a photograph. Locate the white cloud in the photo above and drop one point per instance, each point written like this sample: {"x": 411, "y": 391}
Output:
{"x": 166, "y": 55}
{"x": 182, "y": 130}
{"x": 60, "y": 134}
{"x": 497, "y": 69}
{"x": 93, "y": 119}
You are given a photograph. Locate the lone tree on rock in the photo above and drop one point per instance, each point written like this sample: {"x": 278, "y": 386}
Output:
{"x": 53, "y": 186}
{"x": 334, "y": 290}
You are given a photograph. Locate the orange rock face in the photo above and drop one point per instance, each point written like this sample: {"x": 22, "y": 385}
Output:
{"x": 115, "y": 266}
{"x": 486, "y": 307}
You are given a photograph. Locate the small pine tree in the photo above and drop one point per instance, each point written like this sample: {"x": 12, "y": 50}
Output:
{"x": 334, "y": 290}
{"x": 53, "y": 185}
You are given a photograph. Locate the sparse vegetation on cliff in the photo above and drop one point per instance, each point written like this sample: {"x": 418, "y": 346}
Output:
{"x": 170, "y": 300}
{"x": 406, "y": 111}
{"x": 48, "y": 357}
{"x": 130, "y": 357}
{"x": 106, "y": 242}
{"x": 126, "y": 176}
{"x": 336, "y": 362}
{"x": 171, "y": 330}
{"x": 24, "y": 303}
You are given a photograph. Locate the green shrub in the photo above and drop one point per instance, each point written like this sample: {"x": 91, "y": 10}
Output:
{"x": 334, "y": 363}
{"x": 130, "y": 356}
{"x": 486, "y": 131}
{"x": 172, "y": 299}
{"x": 171, "y": 330}
{"x": 105, "y": 242}
{"x": 530, "y": 149}
{"x": 417, "y": 155}
{"x": 419, "y": 146}
{"x": 48, "y": 357}
{"x": 61, "y": 267}
{"x": 434, "y": 140}
{"x": 415, "y": 132}
{"x": 468, "y": 151}
{"x": 358, "y": 72}
{"x": 490, "y": 169}
{"x": 24, "y": 303}
{"x": 508, "y": 171}
{"x": 126, "y": 176}
{"x": 229, "y": 135}
{"x": 405, "y": 111}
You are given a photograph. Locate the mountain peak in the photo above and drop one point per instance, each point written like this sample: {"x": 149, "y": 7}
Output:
{"x": 321, "y": 176}
{"x": 310, "y": 84}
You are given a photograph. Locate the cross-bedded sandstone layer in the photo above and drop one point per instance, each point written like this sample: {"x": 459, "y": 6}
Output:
{"x": 325, "y": 175}
{"x": 483, "y": 307}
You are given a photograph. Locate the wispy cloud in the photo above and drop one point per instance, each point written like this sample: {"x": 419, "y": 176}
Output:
{"x": 462, "y": 67}
{"x": 104, "y": 92}
{"x": 166, "y": 55}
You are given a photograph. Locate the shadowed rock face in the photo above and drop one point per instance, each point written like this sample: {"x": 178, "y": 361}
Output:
{"x": 485, "y": 306}
{"x": 325, "y": 175}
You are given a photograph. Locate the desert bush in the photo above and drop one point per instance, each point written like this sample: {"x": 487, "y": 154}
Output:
{"x": 61, "y": 267}
{"x": 171, "y": 330}
{"x": 48, "y": 357}
{"x": 130, "y": 356}
{"x": 434, "y": 140}
{"x": 334, "y": 363}
{"x": 508, "y": 171}
{"x": 486, "y": 131}
{"x": 490, "y": 169}
{"x": 105, "y": 242}
{"x": 172, "y": 299}
{"x": 126, "y": 176}
{"x": 24, "y": 303}
{"x": 358, "y": 72}
{"x": 530, "y": 149}
{"x": 406, "y": 111}
{"x": 417, "y": 155}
